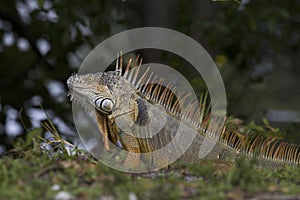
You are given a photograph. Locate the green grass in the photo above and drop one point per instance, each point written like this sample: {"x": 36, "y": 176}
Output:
{"x": 27, "y": 172}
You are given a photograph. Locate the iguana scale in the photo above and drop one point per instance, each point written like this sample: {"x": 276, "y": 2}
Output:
{"x": 126, "y": 94}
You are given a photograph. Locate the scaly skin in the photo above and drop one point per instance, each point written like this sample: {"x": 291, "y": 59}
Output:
{"x": 123, "y": 111}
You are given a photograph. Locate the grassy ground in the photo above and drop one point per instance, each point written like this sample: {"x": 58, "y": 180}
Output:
{"x": 27, "y": 172}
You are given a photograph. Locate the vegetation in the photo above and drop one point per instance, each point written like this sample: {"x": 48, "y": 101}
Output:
{"x": 39, "y": 168}
{"x": 30, "y": 171}
{"x": 254, "y": 43}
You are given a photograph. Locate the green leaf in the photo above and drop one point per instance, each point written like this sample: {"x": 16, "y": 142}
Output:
{"x": 41, "y": 3}
{"x": 265, "y": 121}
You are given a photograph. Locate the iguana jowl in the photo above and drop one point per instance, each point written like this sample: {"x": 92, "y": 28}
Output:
{"x": 121, "y": 101}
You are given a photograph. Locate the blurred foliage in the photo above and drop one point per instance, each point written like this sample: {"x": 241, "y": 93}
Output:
{"x": 44, "y": 41}
{"x": 28, "y": 70}
{"x": 253, "y": 30}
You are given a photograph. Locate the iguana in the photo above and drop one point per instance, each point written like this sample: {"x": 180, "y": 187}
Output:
{"x": 121, "y": 100}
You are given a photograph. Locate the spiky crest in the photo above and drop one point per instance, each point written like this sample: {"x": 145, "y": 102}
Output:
{"x": 198, "y": 116}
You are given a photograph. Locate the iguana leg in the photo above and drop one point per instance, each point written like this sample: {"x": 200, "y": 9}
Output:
{"x": 128, "y": 142}
{"x": 131, "y": 144}
{"x": 155, "y": 160}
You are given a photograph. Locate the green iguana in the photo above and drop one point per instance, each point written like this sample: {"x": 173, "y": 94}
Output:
{"x": 121, "y": 101}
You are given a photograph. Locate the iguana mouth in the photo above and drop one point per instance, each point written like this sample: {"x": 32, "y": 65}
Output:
{"x": 80, "y": 100}
{"x": 70, "y": 82}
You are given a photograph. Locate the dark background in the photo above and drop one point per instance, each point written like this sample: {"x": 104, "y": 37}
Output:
{"x": 255, "y": 44}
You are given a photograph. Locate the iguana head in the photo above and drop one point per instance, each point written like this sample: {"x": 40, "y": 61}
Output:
{"x": 91, "y": 91}
{"x": 112, "y": 97}
{"x": 107, "y": 92}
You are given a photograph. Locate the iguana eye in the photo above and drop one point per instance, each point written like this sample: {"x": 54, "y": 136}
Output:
{"x": 105, "y": 105}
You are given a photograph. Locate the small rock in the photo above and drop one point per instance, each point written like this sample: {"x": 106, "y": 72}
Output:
{"x": 107, "y": 198}
{"x": 62, "y": 195}
{"x": 55, "y": 187}
{"x": 132, "y": 196}
{"x": 191, "y": 178}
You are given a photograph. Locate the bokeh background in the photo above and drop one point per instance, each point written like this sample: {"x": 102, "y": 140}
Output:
{"x": 255, "y": 43}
